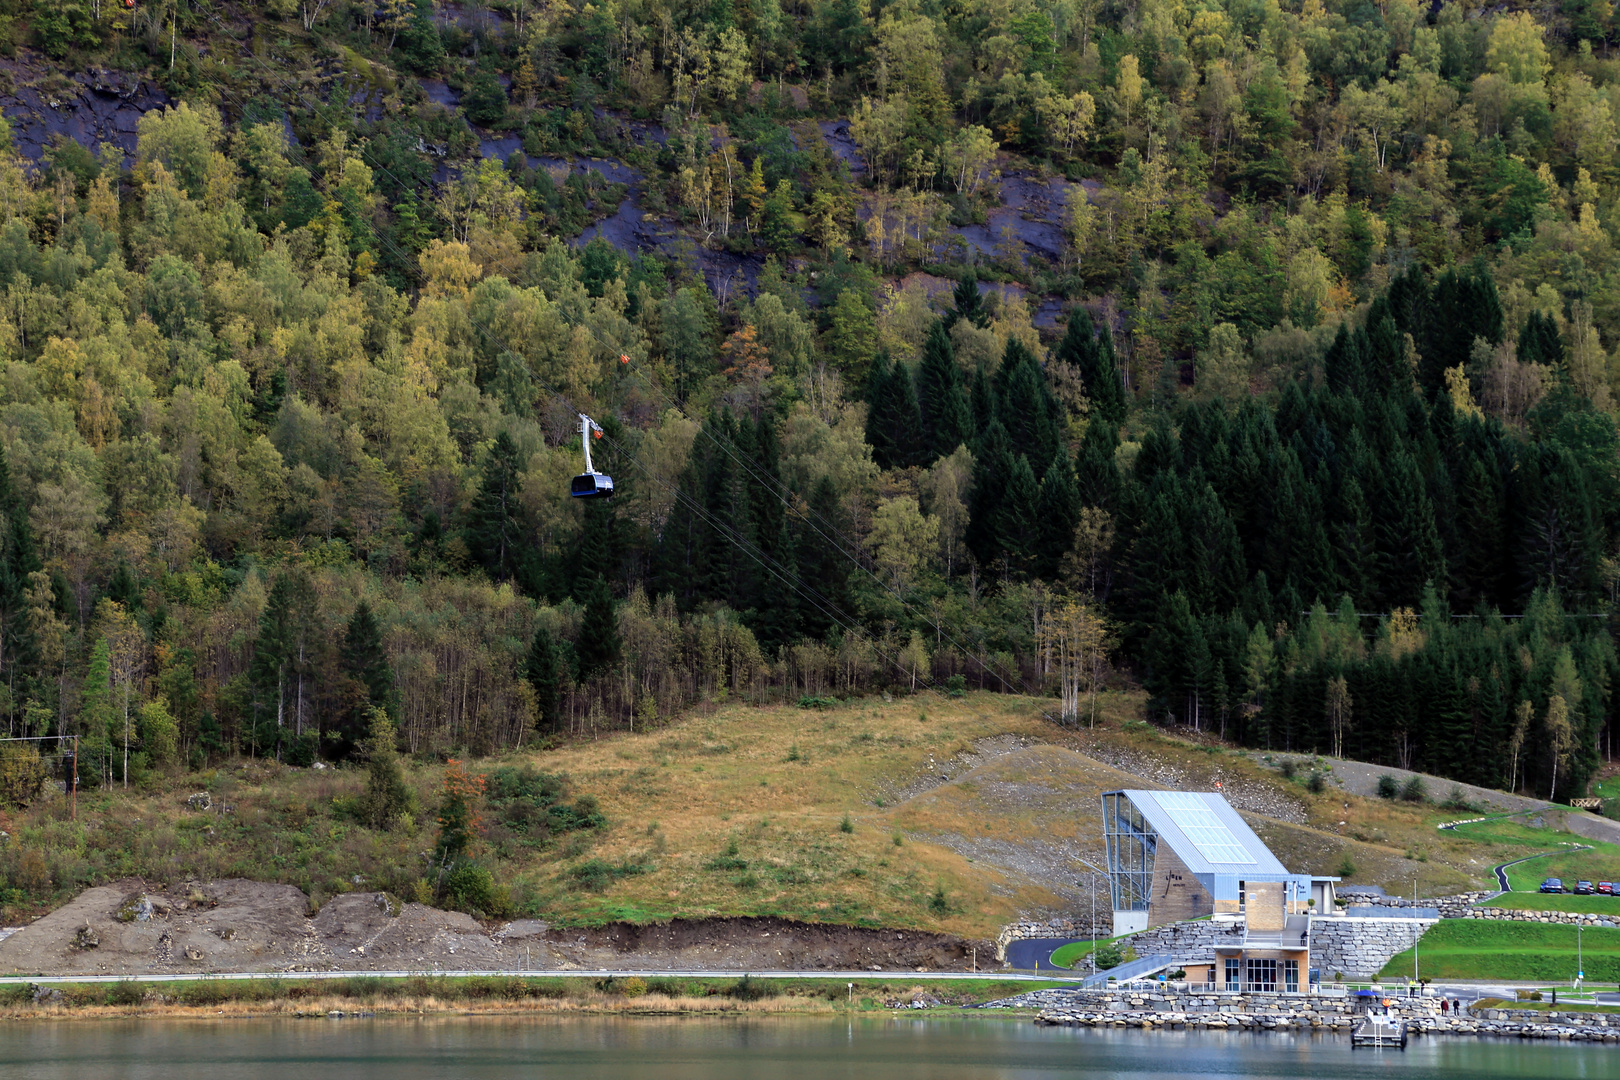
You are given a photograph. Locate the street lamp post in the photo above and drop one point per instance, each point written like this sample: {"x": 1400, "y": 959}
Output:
{"x": 1095, "y": 874}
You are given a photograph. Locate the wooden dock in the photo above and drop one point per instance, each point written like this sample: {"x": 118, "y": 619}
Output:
{"x": 1387, "y": 1034}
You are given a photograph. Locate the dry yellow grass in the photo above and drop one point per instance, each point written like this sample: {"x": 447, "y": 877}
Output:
{"x": 743, "y": 812}
{"x": 740, "y": 811}
{"x": 723, "y": 788}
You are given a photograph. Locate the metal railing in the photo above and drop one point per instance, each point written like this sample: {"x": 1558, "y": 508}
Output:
{"x": 1135, "y": 969}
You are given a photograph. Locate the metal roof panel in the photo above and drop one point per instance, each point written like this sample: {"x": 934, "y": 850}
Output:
{"x": 1205, "y": 832}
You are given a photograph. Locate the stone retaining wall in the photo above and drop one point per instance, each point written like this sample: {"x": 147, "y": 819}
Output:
{"x": 1569, "y": 918}
{"x": 1025, "y": 929}
{"x": 1359, "y": 948}
{"x": 1185, "y": 943}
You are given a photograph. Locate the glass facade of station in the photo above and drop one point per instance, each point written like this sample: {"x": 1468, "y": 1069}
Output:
{"x": 1131, "y": 845}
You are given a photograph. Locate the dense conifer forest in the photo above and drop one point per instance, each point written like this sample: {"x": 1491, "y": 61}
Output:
{"x": 1299, "y": 413}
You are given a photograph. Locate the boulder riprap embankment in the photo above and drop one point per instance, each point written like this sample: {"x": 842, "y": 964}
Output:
{"x": 1307, "y": 1012}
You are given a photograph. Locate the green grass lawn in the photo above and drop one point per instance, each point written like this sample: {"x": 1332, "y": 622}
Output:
{"x": 1075, "y": 951}
{"x": 1068, "y": 955}
{"x": 1545, "y": 1005}
{"x": 1530, "y": 901}
{"x": 1521, "y": 952}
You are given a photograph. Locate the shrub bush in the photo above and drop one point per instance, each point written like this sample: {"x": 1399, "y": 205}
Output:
{"x": 125, "y": 992}
{"x": 749, "y": 988}
{"x": 1388, "y": 787}
{"x": 595, "y": 875}
{"x": 472, "y": 886}
{"x": 1414, "y": 790}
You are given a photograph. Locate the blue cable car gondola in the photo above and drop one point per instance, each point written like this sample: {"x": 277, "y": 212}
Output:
{"x": 590, "y": 484}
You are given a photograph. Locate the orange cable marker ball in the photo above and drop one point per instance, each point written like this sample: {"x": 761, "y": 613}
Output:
{"x": 598, "y": 434}
{"x": 623, "y": 359}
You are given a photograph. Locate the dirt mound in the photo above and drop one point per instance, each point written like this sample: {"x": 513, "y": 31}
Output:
{"x": 696, "y": 944}
{"x": 234, "y": 925}
{"x": 1032, "y": 811}
{"x": 129, "y": 928}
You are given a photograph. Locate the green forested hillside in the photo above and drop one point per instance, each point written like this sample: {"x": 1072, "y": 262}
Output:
{"x": 1320, "y": 448}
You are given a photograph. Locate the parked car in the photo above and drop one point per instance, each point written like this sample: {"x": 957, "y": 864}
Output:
{"x": 1583, "y": 888}
{"x": 1553, "y": 884}
{"x": 1605, "y": 888}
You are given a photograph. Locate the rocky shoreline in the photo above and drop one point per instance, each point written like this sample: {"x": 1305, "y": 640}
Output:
{"x": 1325, "y": 1013}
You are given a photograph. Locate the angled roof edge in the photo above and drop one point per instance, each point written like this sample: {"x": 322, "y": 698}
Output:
{"x": 1188, "y": 852}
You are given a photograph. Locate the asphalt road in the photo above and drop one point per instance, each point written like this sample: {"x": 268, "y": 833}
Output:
{"x": 1501, "y": 871}
{"x": 645, "y": 973}
{"x": 1034, "y": 954}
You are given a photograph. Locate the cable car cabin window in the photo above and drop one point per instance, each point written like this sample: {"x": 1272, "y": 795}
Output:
{"x": 592, "y": 486}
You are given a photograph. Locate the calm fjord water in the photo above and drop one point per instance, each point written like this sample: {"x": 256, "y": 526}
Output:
{"x": 768, "y": 1048}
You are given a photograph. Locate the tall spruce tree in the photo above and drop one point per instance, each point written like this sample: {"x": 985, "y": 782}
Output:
{"x": 992, "y": 474}
{"x": 1097, "y": 480}
{"x": 1093, "y": 357}
{"x": 876, "y": 390}
{"x": 898, "y": 426}
{"x": 1539, "y": 342}
{"x": 18, "y": 560}
{"x": 1463, "y": 306}
{"x": 821, "y": 562}
{"x": 942, "y": 399}
{"x": 541, "y": 672}
{"x": 282, "y": 672}
{"x": 776, "y": 620}
{"x": 96, "y": 716}
{"x": 1018, "y": 519}
{"x": 1343, "y": 362}
{"x": 1057, "y": 516}
{"x": 1028, "y": 408}
{"x": 494, "y": 531}
{"x": 598, "y": 647}
{"x": 364, "y": 661}
{"x": 967, "y": 303}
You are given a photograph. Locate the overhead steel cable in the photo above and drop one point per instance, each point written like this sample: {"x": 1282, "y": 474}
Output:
{"x": 775, "y": 567}
{"x": 843, "y": 620}
{"x": 773, "y": 484}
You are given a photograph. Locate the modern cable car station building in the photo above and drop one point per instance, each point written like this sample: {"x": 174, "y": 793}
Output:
{"x": 1179, "y": 855}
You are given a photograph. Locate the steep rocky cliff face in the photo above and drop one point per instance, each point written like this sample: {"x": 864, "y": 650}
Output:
{"x": 45, "y": 103}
